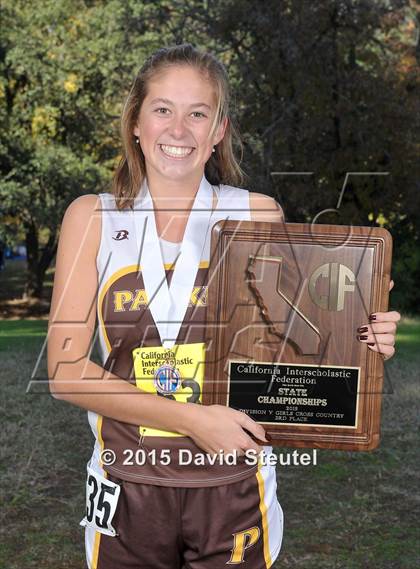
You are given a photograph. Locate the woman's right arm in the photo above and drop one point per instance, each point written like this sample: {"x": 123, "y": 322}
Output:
{"x": 78, "y": 380}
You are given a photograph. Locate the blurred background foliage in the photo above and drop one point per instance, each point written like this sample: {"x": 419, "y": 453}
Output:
{"x": 320, "y": 89}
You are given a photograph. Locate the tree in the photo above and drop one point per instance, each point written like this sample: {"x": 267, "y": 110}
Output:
{"x": 321, "y": 87}
{"x": 57, "y": 119}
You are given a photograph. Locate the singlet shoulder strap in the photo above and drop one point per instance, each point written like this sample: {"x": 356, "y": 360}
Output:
{"x": 108, "y": 200}
{"x": 233, "y": 201}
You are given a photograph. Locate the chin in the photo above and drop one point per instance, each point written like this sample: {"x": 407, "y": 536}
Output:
{"x": 180, "y": 172}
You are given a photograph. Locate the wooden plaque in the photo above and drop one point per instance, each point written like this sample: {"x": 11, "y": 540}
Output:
{"x": 284, "y": 304}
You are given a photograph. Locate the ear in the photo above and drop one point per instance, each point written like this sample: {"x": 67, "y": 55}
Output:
{"x": 136, "y": 131}
{"x": 220, "y": 131}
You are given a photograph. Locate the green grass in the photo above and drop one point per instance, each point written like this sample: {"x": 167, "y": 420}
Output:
{"x": 408, "y": 337}
{"x": 351, "y": 511}
{"x": 17, "y": 334}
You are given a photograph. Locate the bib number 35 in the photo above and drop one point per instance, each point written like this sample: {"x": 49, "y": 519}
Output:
{"x": 101, "y": 502}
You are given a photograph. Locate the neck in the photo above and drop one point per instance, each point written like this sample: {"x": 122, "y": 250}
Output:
{"x": 178, "y": 194}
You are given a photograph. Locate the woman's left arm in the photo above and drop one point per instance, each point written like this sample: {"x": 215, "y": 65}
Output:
{"x": 380, "y": 333}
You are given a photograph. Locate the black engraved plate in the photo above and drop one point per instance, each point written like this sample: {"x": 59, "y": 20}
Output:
{"x": 295, "y": 394}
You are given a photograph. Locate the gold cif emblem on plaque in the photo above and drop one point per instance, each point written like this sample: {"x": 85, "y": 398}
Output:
{"x": 341, "y": 279}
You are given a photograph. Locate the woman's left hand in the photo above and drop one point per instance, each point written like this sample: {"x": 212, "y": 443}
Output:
{"x": 379, "y": 334}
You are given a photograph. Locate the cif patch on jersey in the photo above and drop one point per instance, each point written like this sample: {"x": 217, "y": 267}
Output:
{"x": 176, "y": 373}
{"x": 167, "y": 379}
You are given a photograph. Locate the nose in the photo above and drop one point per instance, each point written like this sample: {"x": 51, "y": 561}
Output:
{"x": 177, "y": 127}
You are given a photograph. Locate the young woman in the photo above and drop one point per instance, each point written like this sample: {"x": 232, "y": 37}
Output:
{"x": 137, "y": 260}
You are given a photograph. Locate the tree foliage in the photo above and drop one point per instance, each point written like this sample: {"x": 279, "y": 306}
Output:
{"x": 320, "y": 88}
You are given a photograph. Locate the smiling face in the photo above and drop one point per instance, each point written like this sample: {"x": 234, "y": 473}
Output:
{"x": 174, "y": 125}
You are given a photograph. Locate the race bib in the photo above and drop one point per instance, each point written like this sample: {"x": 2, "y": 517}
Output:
{"x": 176, "y": 373}
{"x": 101, "y": 502}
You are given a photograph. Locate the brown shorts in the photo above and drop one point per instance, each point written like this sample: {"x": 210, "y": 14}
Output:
{"x": 161, "y": 527}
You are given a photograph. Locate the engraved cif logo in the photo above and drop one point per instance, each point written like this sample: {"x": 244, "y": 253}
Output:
{"x": 121, "y": 234}
{"x": 341, "y": 280}
{"x": 167, "y": 379}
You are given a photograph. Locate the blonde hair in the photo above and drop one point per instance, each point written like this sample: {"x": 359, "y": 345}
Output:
{"x": 221, "y": 168}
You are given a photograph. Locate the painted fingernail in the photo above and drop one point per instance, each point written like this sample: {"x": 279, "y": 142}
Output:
{"x": 362, "y": 329}
{"x": 370, "y": 344}
{"x": 372, "y": 317}
{"x": 267, "y": 437}
{"x": 362, "y": 337}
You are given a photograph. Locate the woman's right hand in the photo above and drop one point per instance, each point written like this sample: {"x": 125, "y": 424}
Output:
{"x": 216, "y": 428}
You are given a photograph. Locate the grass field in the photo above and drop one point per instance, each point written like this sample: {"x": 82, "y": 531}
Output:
{"x": 351, "y": 511}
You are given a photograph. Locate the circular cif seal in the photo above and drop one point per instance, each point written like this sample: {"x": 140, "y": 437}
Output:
{"x": 167, "y": 379}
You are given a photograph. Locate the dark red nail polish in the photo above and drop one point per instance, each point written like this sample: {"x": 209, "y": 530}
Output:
{"x": 370, "y": 344}
{"x": 267, "y": 437}
{"x": 362, "y": 337}
{"x": 372, "y": 317}
{"x": 362, "y": 329}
